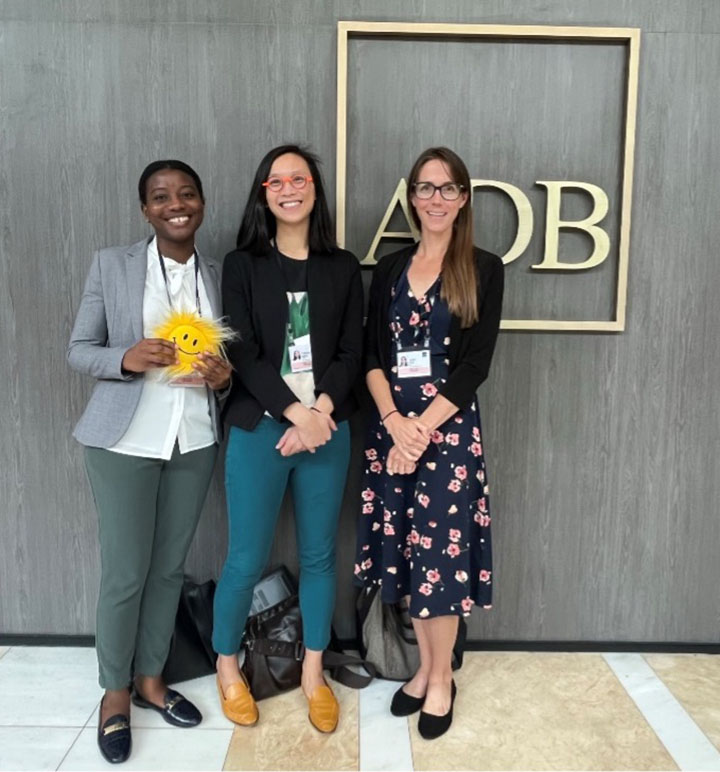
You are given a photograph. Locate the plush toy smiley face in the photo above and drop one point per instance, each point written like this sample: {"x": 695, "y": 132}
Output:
{"x": 190, "y": 341}
{"x": 192, "y": 335}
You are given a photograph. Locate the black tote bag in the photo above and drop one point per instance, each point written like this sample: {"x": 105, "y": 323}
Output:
{"x": 191, "y": 653}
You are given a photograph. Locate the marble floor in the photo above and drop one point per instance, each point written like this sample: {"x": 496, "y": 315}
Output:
{"x": 514, "y": 711}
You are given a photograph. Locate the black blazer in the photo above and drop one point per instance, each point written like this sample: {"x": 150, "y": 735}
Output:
{"x": 471, "y": 349}
{"x": 253, "y": 294}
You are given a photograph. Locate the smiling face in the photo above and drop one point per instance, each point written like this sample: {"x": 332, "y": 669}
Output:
{"x": 436, "y": 214}
{"x": 174, "y": 208}
{"x": 289, "y": 205}
{"x": 190, "y": 341}
{"x": 192, "y": 335}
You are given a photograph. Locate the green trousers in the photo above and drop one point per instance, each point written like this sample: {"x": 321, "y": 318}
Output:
{"x": 148, "y": 510}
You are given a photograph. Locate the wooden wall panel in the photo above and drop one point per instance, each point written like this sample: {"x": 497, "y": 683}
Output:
{"x": 86, "y": 107}
{"x": 557, "y": 114}
{"x": 602, "y": 448}
{"x": 701, "y": 16}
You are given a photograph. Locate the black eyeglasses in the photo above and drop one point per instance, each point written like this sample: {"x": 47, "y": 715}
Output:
{"x": 450, "y": 191}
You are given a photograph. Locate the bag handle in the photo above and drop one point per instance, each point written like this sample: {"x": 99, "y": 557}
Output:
{"x": 336, "y": 662}
{"x": 267, "y": 647}
{"x": 405, "y": 631}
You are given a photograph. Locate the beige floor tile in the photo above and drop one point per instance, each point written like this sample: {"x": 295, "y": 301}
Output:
{"x": 284, "y": 739}
{"x": 694, "y": 680}
{"x": 541, "y": 712}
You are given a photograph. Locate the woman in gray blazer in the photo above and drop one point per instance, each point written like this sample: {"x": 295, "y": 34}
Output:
{"x": 150, "y": 444}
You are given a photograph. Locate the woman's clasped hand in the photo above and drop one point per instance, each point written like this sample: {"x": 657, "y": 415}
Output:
{"x": 311, "y": 429}
{"x": 410, "y": 438}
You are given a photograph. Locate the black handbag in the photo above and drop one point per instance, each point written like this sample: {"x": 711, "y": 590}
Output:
{"x": 387, "y": 638}
{"x": 274, "y": 650}
{"x": 191, "y": 653}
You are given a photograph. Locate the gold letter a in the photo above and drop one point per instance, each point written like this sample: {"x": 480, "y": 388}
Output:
{"x": 399, "y": 197}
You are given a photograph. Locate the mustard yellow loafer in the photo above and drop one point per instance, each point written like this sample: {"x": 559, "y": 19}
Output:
{"x": 237, "y": 703}
{"x": 324, "y": 710}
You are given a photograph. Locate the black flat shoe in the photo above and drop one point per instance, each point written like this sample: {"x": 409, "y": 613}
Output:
{"x": 405, "y": 705}
{"x": 431, "y": 727}
{"x": 114, "y": 738}
{"x": 176, "y": 710}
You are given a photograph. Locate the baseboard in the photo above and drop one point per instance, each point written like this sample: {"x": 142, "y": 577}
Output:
{"x": 650, "y": 647}
{"x": 655, "y": 647}
{"x": 22, "y": 639}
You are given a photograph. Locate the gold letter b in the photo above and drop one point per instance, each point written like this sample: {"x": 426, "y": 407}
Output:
{"x": 553, "y": 223}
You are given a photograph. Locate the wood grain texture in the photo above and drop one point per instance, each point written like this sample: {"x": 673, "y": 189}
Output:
{"x": 701, "y": 16}
{"x": 85, "y": 107}
{"x": 602, "y": 449}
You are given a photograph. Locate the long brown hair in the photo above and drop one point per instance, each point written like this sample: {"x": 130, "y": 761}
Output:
{"x": 459, "y": 275}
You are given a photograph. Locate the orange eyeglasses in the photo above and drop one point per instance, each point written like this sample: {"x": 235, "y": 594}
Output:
{"x": 298, "y": 181}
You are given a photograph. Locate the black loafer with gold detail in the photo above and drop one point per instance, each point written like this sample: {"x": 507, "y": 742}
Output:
{"x": 176, "y": 710}
{"x": 114, "y": 737}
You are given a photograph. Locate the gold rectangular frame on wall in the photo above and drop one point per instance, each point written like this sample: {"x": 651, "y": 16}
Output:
{"x": 631, "y": 36}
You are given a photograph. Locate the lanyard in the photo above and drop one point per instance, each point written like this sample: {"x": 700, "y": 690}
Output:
{"x": 197, "y": 286}
{"x": 425, "y": 323}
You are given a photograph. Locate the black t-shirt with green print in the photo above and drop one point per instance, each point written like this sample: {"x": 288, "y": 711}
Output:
{"x": 295, "y": 277}
{"x": 295, "y": 274}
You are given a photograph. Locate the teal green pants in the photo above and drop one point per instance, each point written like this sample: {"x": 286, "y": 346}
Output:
{"x": 256, "y": 476}
{"x": 148, "y": 510}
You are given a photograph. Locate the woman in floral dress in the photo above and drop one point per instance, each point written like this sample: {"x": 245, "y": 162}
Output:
{"x": 424, "y": 528}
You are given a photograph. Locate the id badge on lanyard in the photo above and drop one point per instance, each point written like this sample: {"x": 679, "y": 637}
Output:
{"x": 414, "y": 362}
{"x": 299, "y": 350}
{"x": 194, "y": 381}
{"x": 300, "y": 354}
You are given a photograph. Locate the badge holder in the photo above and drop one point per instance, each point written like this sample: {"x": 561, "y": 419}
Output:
{"x": 300, "y": 354}
{"x": 188, "y": 381}
{"x": 414, "y": 362}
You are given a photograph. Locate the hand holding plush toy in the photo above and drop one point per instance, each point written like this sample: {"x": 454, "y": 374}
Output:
{"x": 199, "y": 349}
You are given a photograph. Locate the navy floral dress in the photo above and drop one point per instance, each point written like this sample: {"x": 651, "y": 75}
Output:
{"x": 426, "y": 534}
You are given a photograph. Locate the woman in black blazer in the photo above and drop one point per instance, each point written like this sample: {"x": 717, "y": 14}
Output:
{"x": 296, "y": 301}
{"x": 424, "y": 530}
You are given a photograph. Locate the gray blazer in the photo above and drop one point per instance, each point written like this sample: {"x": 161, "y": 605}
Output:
{"x": 110, "y": 321}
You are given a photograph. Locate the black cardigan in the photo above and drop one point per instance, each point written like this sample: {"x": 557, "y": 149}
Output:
{"x": 253, "y": 293}
{"x": 471, "y": 349}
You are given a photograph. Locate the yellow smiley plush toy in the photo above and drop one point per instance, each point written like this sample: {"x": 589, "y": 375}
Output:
{"x": 192, "y": 334}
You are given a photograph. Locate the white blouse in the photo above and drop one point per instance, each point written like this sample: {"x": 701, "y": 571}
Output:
{"x": 168, "y": 413}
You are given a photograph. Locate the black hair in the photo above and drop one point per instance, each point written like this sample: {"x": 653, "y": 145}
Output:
{"x": 158, "y": 166}
{"x": 258, "y": 224}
